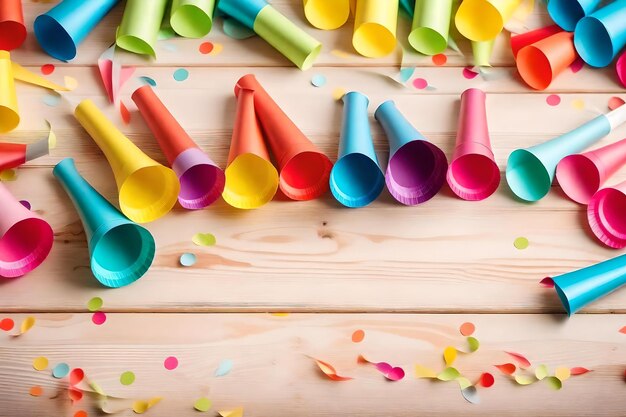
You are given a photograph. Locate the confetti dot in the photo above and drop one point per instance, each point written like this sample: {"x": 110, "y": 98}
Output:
{"x": 469, "y": 73}
{"x": 75, "y": 394}
{"x": 76, "y": 376}
{"x": 547, "y": 282}
{"x": 577, "y": 65}
{"x": 35, "y": 391}
{"x": 553, "y": 100}
{"x": 578, "y": 104}
{"x": 148, "y": 80}
{"x": 8, "y": 175}
{"x": 25, "y": 204}
{"x": 27, "y": 324}
{"x": 562, "y": 373}
{"x": 440, "y": 59}
{"x": 406, "y": 74}
{"x": 338, "y": 93}
{"x": 467, "y": 329}
{"x": 202, "y": 404}
{"x": 187, "y": 259}
{"x": 98, "y": 318}
{"x": 40, "y": 363}
{"x": 170, "y": 363}
{"x": 217, "y": 48}
{"x": 224, "y": 367}
{"x": 420, "y": 83}
{"x": 94, "y": 304}
{"x": 615, "y": 102}
{"x": 340, "y": 54}
{"x": 206, "y": 48}
{"x": 52, "y": 99}
{"x": 47, "y": 69}
{"x": 127, "y": 378}
{"x": 140, "y": 407}
{"x": 203, "y": 239}
{"x": 7, "y": 324}
{"x": 521, "y": 243}
{"x": 70, "y": 82}
{"x": 181, "y": 74}
{"x": 280, "y": 314}
{"x": 318, "y": 80}
{"x": 81, "y": 413}
{"x": 60, "y": 370}
{"x": 358, "y": 336}
{"x": 124, "y": 113}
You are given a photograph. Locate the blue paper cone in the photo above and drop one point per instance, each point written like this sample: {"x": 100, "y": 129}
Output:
{"x": 566, "y": 13}
{"x": 600, "y": 36}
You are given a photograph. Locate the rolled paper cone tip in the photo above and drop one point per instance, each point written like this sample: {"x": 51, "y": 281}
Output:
{"x": 605, "y": 213}
{"x": 431, "y": 26}
{"x": 12, "y": 29}
{"x": 528, "y": 38}
{"x": 566, "y": 13}
{"x": 192, "y": 18}
{"x": 121, "y": 251}
{"x": 620, "y": 67}
{"x": 9, "y": 116}
{"x": 12, "y": 155}
{"x": 600, "y": 36}
{"x": 327, "y": 14}
{"x": 375, "y": 27}
{"x": 540, "y": 63}
{"x": 201, "y": 180}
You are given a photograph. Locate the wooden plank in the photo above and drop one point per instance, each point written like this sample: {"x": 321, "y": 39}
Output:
{"x": 272, "y": 374}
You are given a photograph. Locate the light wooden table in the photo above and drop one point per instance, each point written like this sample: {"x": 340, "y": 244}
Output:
{"x": 408, "y": 276}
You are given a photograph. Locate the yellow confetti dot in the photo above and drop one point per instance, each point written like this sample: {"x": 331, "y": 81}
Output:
{"x": 27, "y": 324}
{"x": 202, "y": 404}
{"x": 8, "y": 175}
{"x": 521, "y": 243}
{"x": 340, "y": 54}
{"x": 449, "y": 355}
{"x": 280, "y": 314}
{"x": 562, "y": 373}
{"x": 578, "y": 104}
{"x": 338, "y": 93}
{"x": 70, "y": 82}
{"x": 140, "y": 407}
{"x": 40, "y": 363}
{"x": 217, "y": 48}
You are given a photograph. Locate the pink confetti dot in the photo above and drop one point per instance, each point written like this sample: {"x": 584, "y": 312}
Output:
{"x": 99, "y": 318}
{"x": 553, "y": 100}
{"x": 47, "y": 69}
{"x": 170, "y": 363}
{"x": 420, "y": 83}
{"x": 577, "y": 65}
{"x": 469, "y": 74}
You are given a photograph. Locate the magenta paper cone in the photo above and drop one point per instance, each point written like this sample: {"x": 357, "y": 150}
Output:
{"x": 582, "y": 175}
{"x": 620, "y": 67}
{"x": 25, "y": 238}
{"x": 473, "y": 174}
{"x": 606, "y": 215}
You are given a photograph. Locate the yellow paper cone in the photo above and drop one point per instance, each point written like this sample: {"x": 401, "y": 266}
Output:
{"x": 375, "y": 27}
{"x": 483, "y": 20}
{"x": 9, "y": 117}
{"x": 327, "y": 14}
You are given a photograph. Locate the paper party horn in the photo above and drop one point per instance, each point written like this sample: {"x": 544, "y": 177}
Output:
{"x": 600, "y": 36}
{"x": 620, "y": 67}
{"x": 578, "y": 288}
{"x": 192, "y": 18}
{"x": 303, "y": 169}
{"x": 140, "y": 26}
{"x": 566, "y": 13}
{"x": 327, "y": 14}
{"x": 473, "y": 173}
{"x": 9, "y": 116}
{"x": 147, "y": 189}
{"x": 25, "y": 238}
{"x": 431, "y": 25}
{"x": 251, "y": 179}
{"x": 582, "y": 175}
{"x": 530, "y": 172}
{"x": 605, "y": 213}
{"x": 528, "y": 38}
{"x": 12, "y": 29}
{"x": 417, "y": 168}
{"x": 483, "y": 20}
{"x": 356, "y": 179}
{"x": 408, "y": 6}
{"x": 201, "y": 180}
{"x": 375, "y": 27}
{"x": 61, "y": 29}
{"x": 540, "y": 63}
{"x": 120, "y": 251}
{"x": 13, "y": 155}
{"x": 295, "y": 44}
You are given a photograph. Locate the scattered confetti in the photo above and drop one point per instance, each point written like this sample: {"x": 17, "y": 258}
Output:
{"x": 81, "y": 413}
{"x": 554, "y": 382}
{"x": 148, "y": 80}
{"x": 70, "y": 82}
{"x": 40, "y": 363}
{"x": 521, "y": 360}
{"x": 448, "y": 374}
{"x": 578, "y": 370}
{"x": 622, "y": 330}
{"x": 615, "y": 102}
{"x": 525, "y": 379}
{"x": 8, "y": 175}
{"x": 204, "y": 239}
{"x": 338, "y": 93}
{"x": 235, "y": 412}
{"x": 94, "y": 304}
{"x": 507, "y": 368}
{"x": 578, "y": 104}
{"x": 236, "y": 30}
{"x": 473, "y": 344}
{"x": 330, "y": 371}
{"x": 61, "y": 370}
{"x": 76, "y": 376}
{"x": 26, "y": 325}
{"x": 99, "y": 318}
{"x": 202, "y": 404}
{"x": 205, "y": 48}
{"x": 521, "y": 243}
{"x": 358, "y": 336}
{"x": 463, "y": 382}
{"x": 424, "y": 372}
{"x": 47, "y": 69}
{"x": 127, "y": 378}
{"x": 124, "y": 113}
{"x": 140, "y": 406}
{"x": 35, "y": 391}
{"x": 74, "y": 394}
{"x": 181, "y": 74}
{"x": 170, "y": 363}
{"x": 7, "y": 324}
{"x": 440, "y": 59}
{"x": 318, "y": 80}
{"x": 25, "y": 204}
{"x": 547, "y": 282}
{"x": 187, "y": 259}
{"x": 52, "y": 99}
{"x": 449, "y": 355}
{"x": 486, "y": 380}
{"x": 280, "y": 314}
{"x": 217, "y": 48}
{"x": 467, "y": 329}
{"x": 420, "y": 83}
{"x": 562, "y": 373}
{"x": 577, "y": 65}
{"x": 469, "y": 73}
{"x": 390, "y": 372}
{"x": 553, "y": 100}
{"x": 224, "y": 367}
{"x": 471, "y": 395}
{"x": 406, "y": 74}
{"x": 541, "y": 372}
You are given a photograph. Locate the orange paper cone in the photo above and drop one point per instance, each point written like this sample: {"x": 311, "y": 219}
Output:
{"x": 540, "y": 63}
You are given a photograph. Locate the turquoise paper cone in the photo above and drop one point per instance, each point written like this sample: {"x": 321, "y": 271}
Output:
{"x": 600, "y": 36}
{"x": 566, "y": 13}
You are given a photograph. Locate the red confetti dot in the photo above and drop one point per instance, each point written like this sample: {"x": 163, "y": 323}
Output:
{"x": 615, "y": 102}
{"x": 420, "y": 83}
{"x": 487, "y": 380}
{"x": 547, "y": 282}
{"x": 76, "y": 376}
{"x": 358, "y": 336}
{"x": 170, "y": 363}
{"x": 469, "y": 73}
{"x": 81, "y": 413}
{"x": 7, "y": 324}
{"x": 205, "y": 48}
{"x": 553, "y": 100}
{"x": 506, "y": 368}
{"x": 467, "y": 329}
{"x": 99, "y": 318}
{"x": 440, "y": 59}
{"x": 74, "y": 394}
{"x": 47, "y": 69}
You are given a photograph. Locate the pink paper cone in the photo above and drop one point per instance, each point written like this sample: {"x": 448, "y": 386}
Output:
{"x": 606, "y": 215}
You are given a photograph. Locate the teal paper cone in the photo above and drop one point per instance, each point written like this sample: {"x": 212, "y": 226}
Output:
{"x": 65, "y": 26}
{"x": 578, "y": 288}
{"x": 600, "y": 36}
{"x": 120, "y": 251}
{"x": 356, "y": 179}
{"x": 566, "y": 13}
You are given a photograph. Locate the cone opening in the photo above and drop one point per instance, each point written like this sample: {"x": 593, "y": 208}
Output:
{"x": 200, "y": 186}
{"x": 427, "y": 41}
{"x": 356, "y": 180}
{"x": 527, "y": 177}
{"x": 534, "y": 67}
{"x": 593, "y": 42}
{"x": 611, "y": 210}
{"x": 12, "y": 35}
{"x": 416, "y": 172}
{"x": 326, "y": 14}
{"x": 373, "y": 40}
{"x": 122, "y": 255}
{"x": 149, "y": 193}
{"x": 579, "y": 177}
{"x": 190, "y": 21}
{"x": 311, "y": 57}
{"x": 9, "y": 119}
{"x": 251, "y": 182}
{"x": 135, "y": 44}
{"x": 566, "y": 13}
{"x": 473, "y": 177}
{"x": 24, "y": 247}
{"x": 54, "y": 39}
{"x": 305, "y": 176}
{"x": 563, "y": 298}
{"x": 478, "y": 20}
{"x": 599, "y": 223}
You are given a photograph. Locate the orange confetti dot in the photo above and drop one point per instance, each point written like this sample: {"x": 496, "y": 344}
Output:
{"x": 35, "y": 391}
{"x": 615, "y": 102}
{"x": 47, "y": 69}
{"x": 124, "y": 113}
{"x": 358, "y": 336}
{"x": 467, "y": 329}
{"x": 440, "y": 59}
{"x": 205, "y": 48}
{"x": 7, "y": 324}
{"x": 81, "y": 413}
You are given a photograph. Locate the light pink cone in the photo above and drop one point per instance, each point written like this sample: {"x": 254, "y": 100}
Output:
{"x": 606, "y": 215}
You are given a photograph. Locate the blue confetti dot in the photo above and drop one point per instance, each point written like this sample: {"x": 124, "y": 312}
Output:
{"x": 52, "y": 99}
{"x": 60, "y": 370}
{"x": 181, "y": 74}
{"x": 187, "y": 259}
{"x": 318, "y": 80}
{"x": 148, "y": 80}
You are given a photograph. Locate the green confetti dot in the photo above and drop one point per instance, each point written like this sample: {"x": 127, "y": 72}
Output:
{"x": 203, "y": 239}
{"x": 521, "y": 243}
{"x": 127, "y": 378}
{"x": 202, "y": 404}
{"x": 94, "y": 304}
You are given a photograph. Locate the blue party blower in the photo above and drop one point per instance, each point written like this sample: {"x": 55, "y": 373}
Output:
{"x": 66, "y": 25}
{"x": 578, "y": 288}
{"x": 566, "y": 13}
{"x": 120, "y": 251}
{"x": 356, "y": 179}
{"x": 599, "y": 37}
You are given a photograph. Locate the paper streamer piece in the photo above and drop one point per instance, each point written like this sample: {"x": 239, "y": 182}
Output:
{"x": 203, "y": 404}
{"x": 528, "y": 38}
{"x": 13, "y": 155}
{"x": 482, "y": 52}
{"x": 60, "y": 30}
{"x": 582, "y": 175}
{"x": 303, "y": 169}
{"x": 473, "y": 173}
{"x": 295, "y": 44}
{"x": 620, "y": 67}
{"x": 540, "y": 63}
{"x": 605, "y": 215}
{"x": 578, "y": 288}
{"x": 375, "y": 27}
{"x": 431, "y": 25}
{"x": 192, "y": 18}
{"x": 507, "y": 368}
{"x": 147, "y": 189}
{"x": 113, "y": 75}
{"x": 235, "y": 412}
{"x": 12, "y": 29}
{"x": 530, "y": 172}
{"x": 566, "y": 13}
{"x": 9, "y": 116}
{"x": 391, "y": 373}
{"x": 600, "y": 36}
{"x": 22, "y": 74}
{"x": 417, "y": 168}
{"x": 330, "y": 371}
{"x": 521, "y": 360}
{"x": 483, "y": 20}
{"x": 120, "y": 251}
{"x": 25, "y": 238}
{"x": 251, "y": 179}
{"x": 140, "y": 26}
{"x": 356, "y": 179}
{"x": 201, "y": 180}
{"x": 327, "y": 14}
{"x": 224, "y": 367}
